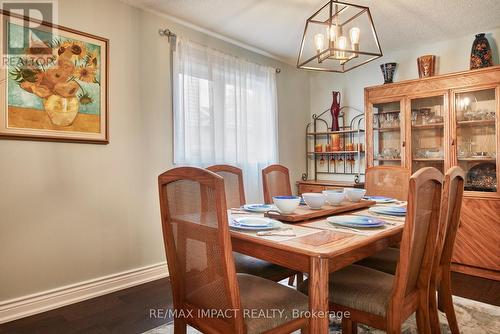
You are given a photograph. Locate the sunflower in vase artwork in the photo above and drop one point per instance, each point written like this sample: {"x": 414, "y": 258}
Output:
{"x": 66, "y": 83}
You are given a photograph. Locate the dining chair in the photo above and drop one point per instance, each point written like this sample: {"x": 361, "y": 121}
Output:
{"x": 389, "y": 181}
{"x": 235, "y": 198}
{"x": 386, "y": 260}
{"x": 200, "y": 261}
{"x": 275, "y": 182}
{"x": 385, "y": 301}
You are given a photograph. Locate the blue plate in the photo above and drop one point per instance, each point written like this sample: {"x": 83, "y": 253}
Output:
{"x": 356, "y": 221}
{"x": 389, "y": 210}
{"x": 254, "y": 223}
{"x": 381, "y": 199}
{"x": 258, "y": 207}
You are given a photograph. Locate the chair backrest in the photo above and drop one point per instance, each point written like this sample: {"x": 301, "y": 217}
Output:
{"x": 453, "y": 191}
{"x": 275, "y": 182}
{"x": 233, "y": 184}
{"x": 418, "y": 244}
{"x": 387, "y": 181}
{"x": 197, "y": 242}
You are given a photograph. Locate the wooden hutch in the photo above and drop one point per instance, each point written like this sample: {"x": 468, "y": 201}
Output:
{"x": 444, "y": 121}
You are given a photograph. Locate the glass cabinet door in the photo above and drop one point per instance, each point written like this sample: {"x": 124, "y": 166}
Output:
{"x": 427, "y": 133}
{"x": 387, "y": 128}
{"x": 475, "y": 114}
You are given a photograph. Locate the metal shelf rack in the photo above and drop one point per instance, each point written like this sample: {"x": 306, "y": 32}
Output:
{"x": 337, "y": 162}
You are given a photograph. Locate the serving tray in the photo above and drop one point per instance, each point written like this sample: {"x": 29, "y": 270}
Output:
{"x": 303, "y": 212}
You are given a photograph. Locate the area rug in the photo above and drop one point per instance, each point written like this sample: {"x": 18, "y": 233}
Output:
{"x": 473, "y": 318}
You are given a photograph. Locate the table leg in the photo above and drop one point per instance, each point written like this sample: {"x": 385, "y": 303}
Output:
{"x": 318, "y": 295}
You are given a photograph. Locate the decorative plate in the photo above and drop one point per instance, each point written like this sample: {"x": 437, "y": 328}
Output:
{"x": 389, "y": 210}
{"x": 258, "y": 207}
{"x": 381, "y": 199}
{"x": 356, "y": 221}
{"x": 254, "y": 223}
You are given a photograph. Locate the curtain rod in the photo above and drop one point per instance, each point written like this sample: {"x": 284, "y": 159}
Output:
{"x": 166, "y": 32}
{"x": 172, "y": 38}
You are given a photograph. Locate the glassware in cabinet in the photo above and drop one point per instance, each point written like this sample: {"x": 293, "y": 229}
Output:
{"x": 387, "y": 127}
{"x": 427, "y": 133}
{"x": 475, "y": 113}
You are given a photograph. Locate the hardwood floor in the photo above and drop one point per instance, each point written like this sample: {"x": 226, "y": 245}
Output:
{"x": 128, "y": 311}
{"x": 125, "y": 311}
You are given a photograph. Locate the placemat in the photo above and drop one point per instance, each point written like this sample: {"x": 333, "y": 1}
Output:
{"x": 300, "y": 231}
{"x": 325, "y": 225}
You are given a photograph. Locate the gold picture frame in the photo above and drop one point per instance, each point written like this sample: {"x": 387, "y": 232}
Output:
{"x": 59, "y": 92}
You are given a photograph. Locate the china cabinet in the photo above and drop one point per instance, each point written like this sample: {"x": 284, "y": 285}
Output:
{"x": 444, "y": 121}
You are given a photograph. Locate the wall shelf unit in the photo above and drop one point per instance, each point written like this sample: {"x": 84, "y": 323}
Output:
{"x": 327, "y": 160}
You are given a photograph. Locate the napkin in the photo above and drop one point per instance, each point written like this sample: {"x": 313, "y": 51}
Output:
{"x": 285, "y": 232}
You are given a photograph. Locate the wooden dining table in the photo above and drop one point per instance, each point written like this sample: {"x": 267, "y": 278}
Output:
{"x": 318, "y": 250}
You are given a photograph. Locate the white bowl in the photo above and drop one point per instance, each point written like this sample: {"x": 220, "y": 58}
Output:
{"x": 334, "y": 197}
{"x": 314, "y": 200}
{"x": 355, "y": 194}
{"x": 286, "y": 204}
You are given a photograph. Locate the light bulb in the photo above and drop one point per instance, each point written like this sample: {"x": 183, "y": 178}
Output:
{"x": 354, "y": 32}
{"x": 319, "y": 41}
{"x": 342, "y": 42}
{"x": 331, "y": 32}
{"x": 342, "y": 45}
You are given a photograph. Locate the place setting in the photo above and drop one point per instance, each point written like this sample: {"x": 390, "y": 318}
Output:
{"x": 267, "y": 227}
{"x": 390, "y": 214}
{"x": 383, "y": 200}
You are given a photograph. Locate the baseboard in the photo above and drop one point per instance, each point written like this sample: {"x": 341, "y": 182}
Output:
{"x": 16, "y": 308}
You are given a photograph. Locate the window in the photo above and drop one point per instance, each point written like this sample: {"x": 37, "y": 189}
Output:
{"x": 225, "y": 112}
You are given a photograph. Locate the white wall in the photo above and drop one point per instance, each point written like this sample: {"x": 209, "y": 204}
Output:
{"x": 452, "y": 56}
{"x": 75, "y": 212}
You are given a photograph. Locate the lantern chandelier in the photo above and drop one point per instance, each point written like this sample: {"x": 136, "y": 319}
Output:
{"x": 338, "y": 37}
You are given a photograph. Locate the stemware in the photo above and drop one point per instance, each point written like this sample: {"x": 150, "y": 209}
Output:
{"x": 414, "y": 115}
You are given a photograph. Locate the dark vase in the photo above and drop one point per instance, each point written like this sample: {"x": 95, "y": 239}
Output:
{"x": 480, "y": 55}
{"x": 335, "y": 111}
{"x": 388, "y": 70}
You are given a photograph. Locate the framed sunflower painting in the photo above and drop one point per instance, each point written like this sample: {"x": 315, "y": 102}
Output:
{"x": 53, "y": 82}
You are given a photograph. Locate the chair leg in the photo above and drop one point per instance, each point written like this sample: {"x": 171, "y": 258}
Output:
{"x": 393, "y": 322}
{"x": 291, "y": 279}
{"x": 349, "y": 326}
{"x": 433, "y": 313}
{"x": 423, "y": 321}
{"x": 300, "y": 279}
{"x": 180, "y": 326}
{"x": 445, "y": 296}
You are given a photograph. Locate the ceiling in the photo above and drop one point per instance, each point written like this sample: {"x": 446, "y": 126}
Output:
{"x": 276, "y": 26}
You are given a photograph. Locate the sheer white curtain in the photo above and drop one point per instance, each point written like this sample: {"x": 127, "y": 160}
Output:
{"x": 225, "y": 112}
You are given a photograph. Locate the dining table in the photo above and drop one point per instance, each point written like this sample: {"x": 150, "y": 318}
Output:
{"x": 318, "y": 248}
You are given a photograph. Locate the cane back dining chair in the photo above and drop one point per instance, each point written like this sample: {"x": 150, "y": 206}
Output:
{"x": 200, "y": 261}
{"x": 275, "y": 182}
{"x": 386, "y": 260}
{"x": 389, "y": 181}
{"x": 385, "y": 301}
{"x": 235, "y": 198}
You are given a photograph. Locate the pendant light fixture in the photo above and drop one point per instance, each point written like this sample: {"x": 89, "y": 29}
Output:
{"x": 338, "y": 37}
